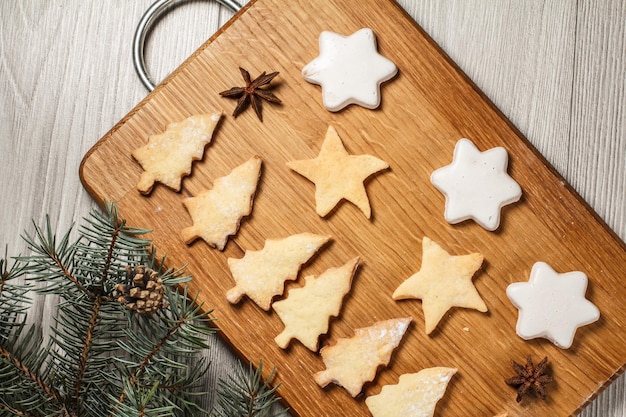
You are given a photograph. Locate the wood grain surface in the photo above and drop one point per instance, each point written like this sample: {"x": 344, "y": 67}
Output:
{"x": 556, "y": 71}
{"x": 425, "y": 110}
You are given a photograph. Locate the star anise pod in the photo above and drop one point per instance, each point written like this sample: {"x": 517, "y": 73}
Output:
{"x": 252, "y": 93}
{"x": 530, "y": 377}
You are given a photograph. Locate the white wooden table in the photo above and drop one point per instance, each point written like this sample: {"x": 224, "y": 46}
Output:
{"x": 557, "y": 70}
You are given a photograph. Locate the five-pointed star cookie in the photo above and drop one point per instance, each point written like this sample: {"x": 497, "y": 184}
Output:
{"x": 476, "y": 185}
{"x": 443, "y": 282}
{"x": 338, "y": 175}
{"x": 349, "y": 69}
{"x": 552, "y": 305}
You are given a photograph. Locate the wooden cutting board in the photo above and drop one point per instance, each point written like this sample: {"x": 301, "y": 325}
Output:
{"x": 425, "y": 110}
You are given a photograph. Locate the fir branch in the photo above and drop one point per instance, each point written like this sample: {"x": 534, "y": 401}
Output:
{"x": 51, "y": 262}
{"x": 109, "y": 258}
{"x": 27, "y": 373}
{"x": 83, "y": 274}
{"x": 25, "y": 389}
{"x": 247, "y": 394}
{"x": 107, "y": 247}
{"x": 154, "y": 352}
{"x": 162, "y": 359}
{"x": 140, "y": 403}
{"x": 83, "y": 341}
{"x": 14, "y": 301}
{"x": 14, "y": 411}
{"x": 103, "y": 358}
{"x": 87, "y": 346}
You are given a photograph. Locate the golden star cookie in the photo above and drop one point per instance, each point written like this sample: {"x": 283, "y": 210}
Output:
{"x": 352, "y": 362}
{"x": 338, "y": 175}
{"x": 168, "y": 156}
{"x": 262, "y": 274}
{"x": 415, "y": 395}
{"x": 217, "y": 212}
{"x": 306, "y": 310}
{"x": 443, "y": 282}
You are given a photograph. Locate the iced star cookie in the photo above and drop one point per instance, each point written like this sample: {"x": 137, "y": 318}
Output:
{"x": 552, "y": 305}
{"x": 217, "y": 212}
{"x": 443, "y": 282}
{"x": 415, "y": 395}
{"x": 167, "y": 157}
{"x": 306, "y": 310}
{"x": 353, "y": 361}
{"x": 349, "y": 69}
{"x": 338, "y": 175}
{"x": 476, "y": 185}
{"x": 262, "y": 274}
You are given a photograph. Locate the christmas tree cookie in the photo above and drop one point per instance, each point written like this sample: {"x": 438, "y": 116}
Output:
{"x": 306, "y": 310}
{"x": 262, "y": 274}
{"x": 168, "y": 156}
{"x": 217, "y": 212}
{"x": 352, "y": 362}
{"x": 415, "y": 395}
{"x": 443, "y": 282}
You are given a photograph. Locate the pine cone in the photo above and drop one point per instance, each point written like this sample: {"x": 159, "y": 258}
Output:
{"x": 144, "y": 291}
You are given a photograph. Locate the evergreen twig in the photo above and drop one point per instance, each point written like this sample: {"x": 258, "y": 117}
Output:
{"x": 247, "y": 394}
{"x": 104, "y": 357}
{"x": 14, "y": 301}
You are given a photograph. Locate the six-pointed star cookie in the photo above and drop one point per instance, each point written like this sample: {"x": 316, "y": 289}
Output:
{"x": 476, "y": 185}
{"x": 443, "y": 282}
{"x": 338, "y": 175}
{"x": 552, "y": 305}
{"x": 349, "y": 69}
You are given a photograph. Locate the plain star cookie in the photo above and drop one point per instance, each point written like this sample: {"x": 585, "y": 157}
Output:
{"x": 552, "y": 305}
{"x": 476, "y": 185}
{"x": 443, "y": 282}
{"x": 217, "y": 212}
{"x": 338, "y": 175}
{"x": 415, "y": 395}
{"x": 167, "y": 157}
{"x": 349, "y": 69}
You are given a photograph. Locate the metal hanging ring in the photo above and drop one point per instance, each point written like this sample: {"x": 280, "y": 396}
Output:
{"x": 144, "y": 26}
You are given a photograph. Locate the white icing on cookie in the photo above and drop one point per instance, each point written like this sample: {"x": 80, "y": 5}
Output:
{"x": 552, "y": 305}
{"x": 349, "y": 69}
{"x": 476, "y": 185}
